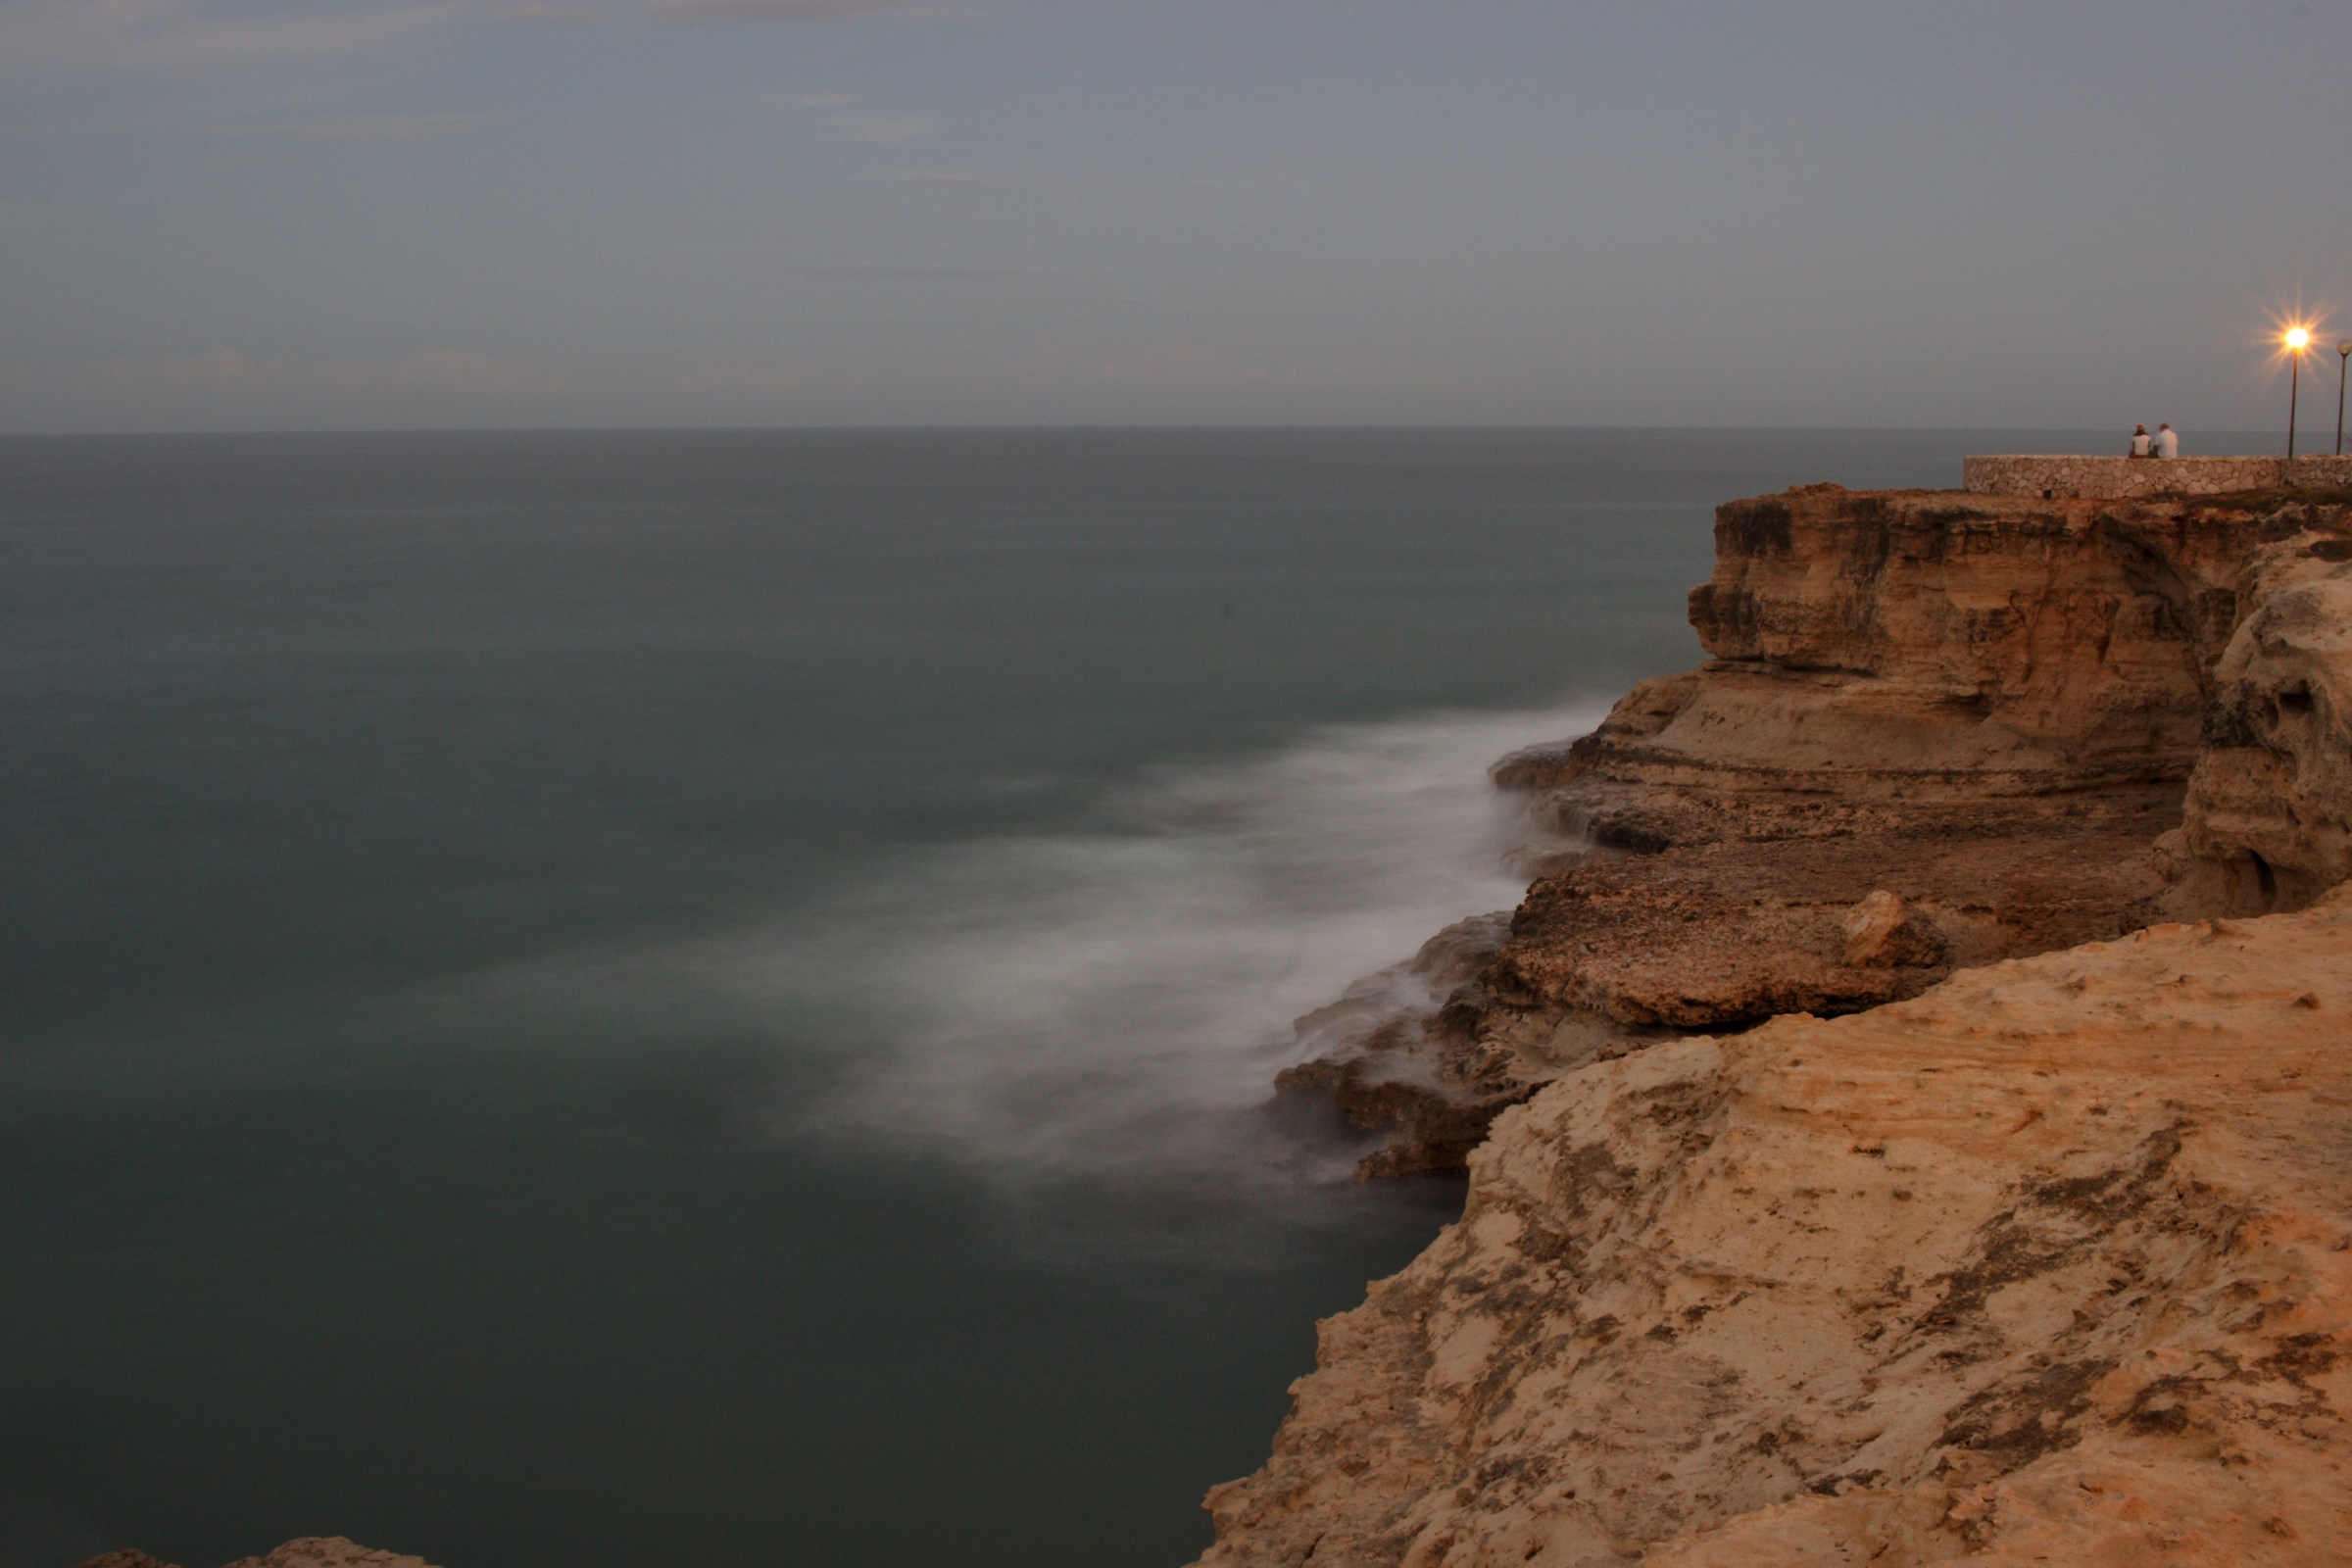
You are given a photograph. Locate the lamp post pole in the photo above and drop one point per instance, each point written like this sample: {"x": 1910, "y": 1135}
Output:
{"x": 2343, "y": 352}
{"x": 2297, "y": 340}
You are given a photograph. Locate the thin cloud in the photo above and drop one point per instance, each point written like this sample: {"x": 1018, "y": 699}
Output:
{"x": 547, "y": 11}
{"x": 1190, "y": 364}
{"x": 916, "y": 269}
{"x": 459, "y": 372}
{"x": 449, "y": 372}
{"x": 889, "y": 129}
{"x": 361, "y": 127}
{"x": 771, "y": 9}
{"x": 220, "y": 370}
{"x": 185, "y": 34}
{"x": 1119, "y": 300}
{"x": 857, "y": 124}
{"x": 736, "y": 378}
{"x": 956, "y": 178}
{"x": 17, "y": 218}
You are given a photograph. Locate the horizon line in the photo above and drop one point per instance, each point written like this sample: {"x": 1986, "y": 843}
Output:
{"x": 1074, "y": 428}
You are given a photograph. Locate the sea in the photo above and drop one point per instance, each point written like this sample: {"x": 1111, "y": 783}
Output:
{"x": 604, "y": 999}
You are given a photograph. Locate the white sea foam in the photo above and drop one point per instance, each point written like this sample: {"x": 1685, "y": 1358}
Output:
{"x": 1119, "y": 999}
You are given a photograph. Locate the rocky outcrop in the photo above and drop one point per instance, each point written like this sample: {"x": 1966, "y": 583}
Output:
{"x": 2269, "y": 805}
{"x": 1936, "y": 731}
{"x": 310, "y": 1551}
{"x": 2022, "y": 1258}
{"x": 2052, "y": 1263}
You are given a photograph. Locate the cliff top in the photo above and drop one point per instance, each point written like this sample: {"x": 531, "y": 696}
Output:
{"x": 2063, "y": 476}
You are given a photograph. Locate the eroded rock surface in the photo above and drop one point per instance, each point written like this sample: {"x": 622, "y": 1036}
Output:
{"x": 2023, "y": 723}
{"x": 2269, "y": 805}
{"x": 2020, "y": 1259}
{"x": 2052, "y": 1263}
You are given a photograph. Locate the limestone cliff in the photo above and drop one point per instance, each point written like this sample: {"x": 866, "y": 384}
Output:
{"x": 2027, "y": 1260}
{"x": 1937, "y": 731}
{"x": 2051, "y": 1264}
{"x": 2269, "y": 805}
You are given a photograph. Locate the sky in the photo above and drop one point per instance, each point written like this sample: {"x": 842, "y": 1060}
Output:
{"x": 254, "y": 215}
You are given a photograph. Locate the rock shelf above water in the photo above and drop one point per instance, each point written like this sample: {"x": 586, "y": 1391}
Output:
{"x": 2003, "y": 726}
{"x": 2024, "y": 1258}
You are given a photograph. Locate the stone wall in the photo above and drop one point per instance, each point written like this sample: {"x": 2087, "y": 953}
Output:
{"x": 2062, "y": 477}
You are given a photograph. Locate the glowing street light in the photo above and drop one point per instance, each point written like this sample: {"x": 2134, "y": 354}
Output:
{"x": 2343, "y": 348}
{"x": 2297, "y": 340}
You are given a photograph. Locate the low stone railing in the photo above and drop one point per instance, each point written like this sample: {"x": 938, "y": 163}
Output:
{"x": 2058, "y": 477}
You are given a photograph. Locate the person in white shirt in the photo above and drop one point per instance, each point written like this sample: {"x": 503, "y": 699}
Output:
{"x": 2140, "y": 440}
{"x": 2168, "y": 441}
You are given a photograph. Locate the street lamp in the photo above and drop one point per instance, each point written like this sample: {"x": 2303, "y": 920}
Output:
{"x": 2343, "y": 348}
{"x": 2297, "y": 340}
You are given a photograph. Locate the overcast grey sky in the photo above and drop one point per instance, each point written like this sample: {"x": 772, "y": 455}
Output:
{"x": 242, "y": 214}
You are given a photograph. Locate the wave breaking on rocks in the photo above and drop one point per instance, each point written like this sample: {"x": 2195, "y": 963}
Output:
{"x": 1911, "y": 1127}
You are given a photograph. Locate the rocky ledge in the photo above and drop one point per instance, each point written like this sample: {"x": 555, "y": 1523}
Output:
{"x": 1936, "y": 731}
{"x": 2051, "y": 1264}
{"x": 2024, "y": 1259}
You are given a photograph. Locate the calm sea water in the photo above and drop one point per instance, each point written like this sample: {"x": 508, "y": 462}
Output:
{"x": 632, "y": 999}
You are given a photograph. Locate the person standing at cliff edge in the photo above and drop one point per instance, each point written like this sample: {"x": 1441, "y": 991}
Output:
{"x": 2140, "y": 440}
{"x": 2168, "y": 441}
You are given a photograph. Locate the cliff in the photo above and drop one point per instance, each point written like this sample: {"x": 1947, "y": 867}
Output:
{"x": 2024, "y": 1259}
{"x": 2047, "y": 1265}
{"x": 1936, "y": 731}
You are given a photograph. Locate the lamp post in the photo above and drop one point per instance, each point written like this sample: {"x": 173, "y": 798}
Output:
{"x": 2297, "y": 340}
{"x": 2343, "y": 351}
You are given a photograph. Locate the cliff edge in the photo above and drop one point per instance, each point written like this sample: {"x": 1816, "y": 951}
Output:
{"x": 2022, "y": 1258}
{"x": 1936, "y": 731}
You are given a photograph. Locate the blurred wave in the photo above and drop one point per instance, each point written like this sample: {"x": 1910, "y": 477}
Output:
{"x": 1118, "y": 999}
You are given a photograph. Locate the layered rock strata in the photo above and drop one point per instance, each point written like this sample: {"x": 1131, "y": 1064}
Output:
{"x": 1935, "y": 730}
{"x": 2051, "y": 1264}
{"x": 2025, "y": 1259}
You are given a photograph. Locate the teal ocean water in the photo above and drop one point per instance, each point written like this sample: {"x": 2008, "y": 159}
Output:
{"x": 586, "y": 1000}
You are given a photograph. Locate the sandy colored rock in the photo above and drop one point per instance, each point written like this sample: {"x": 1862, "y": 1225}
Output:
{"x": 2025, "y": 1259}
{"x": 2269, "y": 805}
{"x": 2022, "y": 723}
{"x": 2052, "y": 1263}
{"x": 127, "y": 1558}
{"x": 1869, "y": 928}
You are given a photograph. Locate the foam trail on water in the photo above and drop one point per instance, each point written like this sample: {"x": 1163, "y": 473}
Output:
{"x": 1119, "y": 1000}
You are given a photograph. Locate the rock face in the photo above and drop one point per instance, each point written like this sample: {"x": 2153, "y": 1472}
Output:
{"x": 310, "y": 1551}
{"x": 2024, "y": 1258}
{"x": 2269, "y": 805}
{"x": 2051, "y": 1264}
{"x": 2023, "y": 724}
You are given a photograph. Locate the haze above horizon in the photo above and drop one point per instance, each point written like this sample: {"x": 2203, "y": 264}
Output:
{"x": 246, "y": 215}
